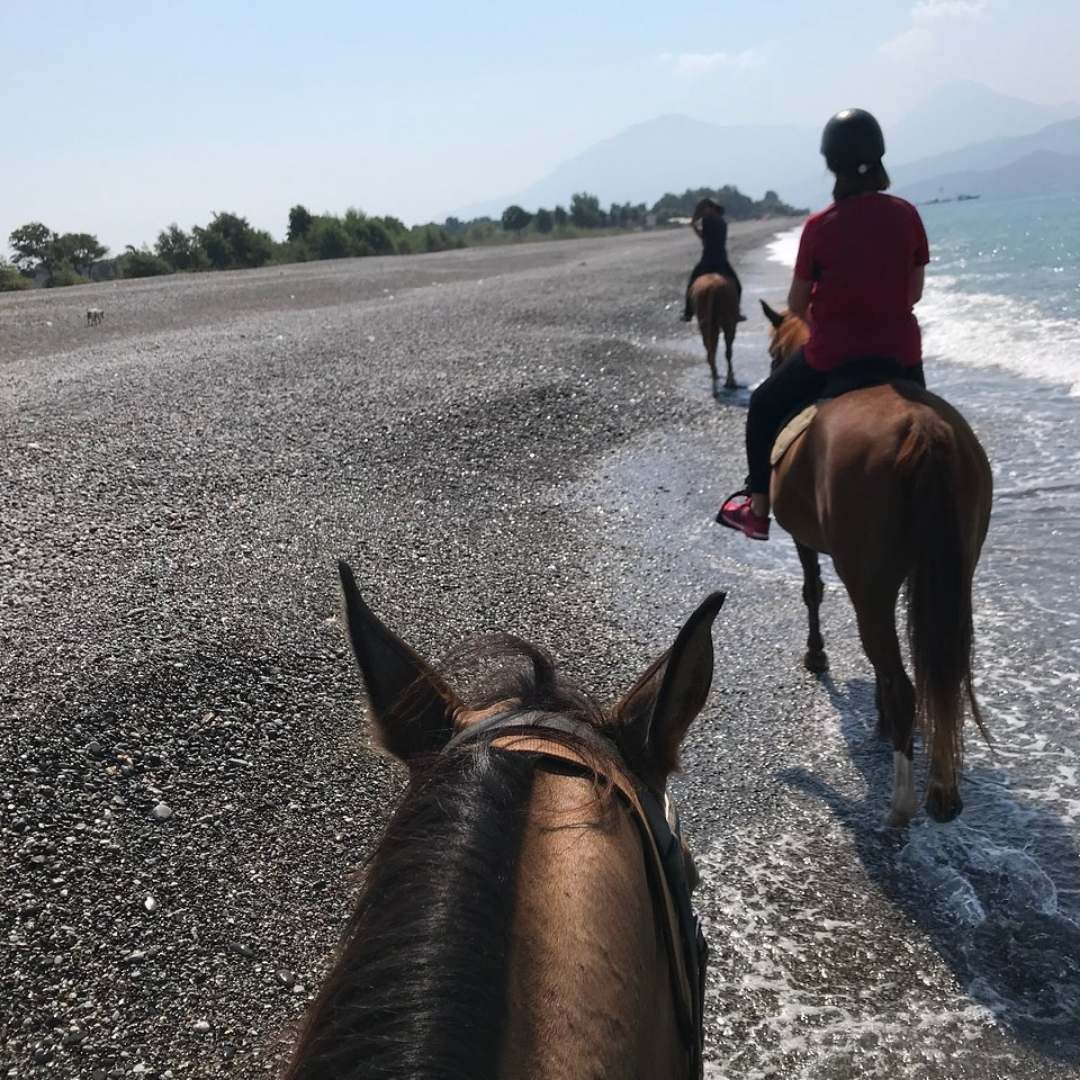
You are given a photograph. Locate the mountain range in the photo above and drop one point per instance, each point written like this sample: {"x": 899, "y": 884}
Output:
{"x": 1042, "y": 172}
{"x": 951, "y": 137}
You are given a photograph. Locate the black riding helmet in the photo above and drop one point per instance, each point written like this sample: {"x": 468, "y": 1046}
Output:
{"x": 852, "y": 142}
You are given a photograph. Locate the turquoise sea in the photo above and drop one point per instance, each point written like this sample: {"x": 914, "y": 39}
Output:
{"x": 1005, "y": 285}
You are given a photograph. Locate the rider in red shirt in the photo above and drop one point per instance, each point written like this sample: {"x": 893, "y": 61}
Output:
{"x": 859, "y": 271}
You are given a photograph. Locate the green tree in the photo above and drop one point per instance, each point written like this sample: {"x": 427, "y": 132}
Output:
{"x": 79, "y": 250}
{"x": 179, "y": 249}
{"x": 545, "y": 222}
{"x": 140, "y": 262}
{"x": 328, "y": 238}
{"x": 231, "y": 243}
{"x": 371, "y": 235}
{"x": 585, "y": 211}
{"x": 515, "y": 219}
{"x": 300, "y": 221}
{"x": 561, "y": 216}
{"x": 32, "y": 245}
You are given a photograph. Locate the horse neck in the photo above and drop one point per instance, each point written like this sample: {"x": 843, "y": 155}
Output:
{"x": 589, "y": 988}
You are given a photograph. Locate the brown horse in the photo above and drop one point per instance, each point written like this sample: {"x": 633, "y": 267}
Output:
{"x": 716, "y": 301}
{"x": 892, "y": 483}
{"x": 511, "y": 923}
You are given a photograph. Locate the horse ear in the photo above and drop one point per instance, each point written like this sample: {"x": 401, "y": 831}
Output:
{"x": 772, "y": 315}
{"x": 412, "y": 707}
{"x": 656, "y": 713}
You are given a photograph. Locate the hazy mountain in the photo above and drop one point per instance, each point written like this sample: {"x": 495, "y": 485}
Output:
{"x": 962, "y": 113}
{"x": 670, "y": 153}
{"x": 1061, "y": 139}
{"x": 1042, "y": 172}
{"x": 676, "y": 152}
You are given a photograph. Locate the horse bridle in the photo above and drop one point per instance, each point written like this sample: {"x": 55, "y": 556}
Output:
{"x": 658, "y": 822}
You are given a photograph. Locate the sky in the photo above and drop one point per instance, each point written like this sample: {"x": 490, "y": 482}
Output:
{"x": 121, "y": 117}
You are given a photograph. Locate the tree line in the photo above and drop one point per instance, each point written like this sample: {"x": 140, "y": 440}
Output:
{"x": 229, "y": 241}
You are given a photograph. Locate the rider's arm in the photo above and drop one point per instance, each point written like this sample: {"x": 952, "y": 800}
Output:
{"x": 695, "y": 224}
{"x": 915, "y": 288}
{"x": 802, "y": 279}
{"x": 798, "y": 300}
{"x": 921, "y": 258}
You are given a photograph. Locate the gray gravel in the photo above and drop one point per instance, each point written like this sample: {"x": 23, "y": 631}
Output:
{"x": 518, "y": 439}
{"x": 185, "y": 788}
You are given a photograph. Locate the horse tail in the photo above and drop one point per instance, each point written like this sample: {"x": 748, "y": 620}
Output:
{"x": 939, "y": 616}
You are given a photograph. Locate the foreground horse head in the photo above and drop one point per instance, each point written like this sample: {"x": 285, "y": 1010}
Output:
{"x": 716, "y": 301}
{"x": 892, "y": 483}
{"x": 511, "y": 923}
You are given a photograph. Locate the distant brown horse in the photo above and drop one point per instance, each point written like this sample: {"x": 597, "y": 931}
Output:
{"x": 716, "y": 301}
{"x": 518, "y": 919}
{"x": 892, "y": 483}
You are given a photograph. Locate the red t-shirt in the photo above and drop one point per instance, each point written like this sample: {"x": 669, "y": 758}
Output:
{"x": 859, "y": 253}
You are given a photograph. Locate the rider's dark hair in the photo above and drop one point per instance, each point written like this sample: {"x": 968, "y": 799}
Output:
{"x": 707, "y": 203}
{"x": 854, "y": 183}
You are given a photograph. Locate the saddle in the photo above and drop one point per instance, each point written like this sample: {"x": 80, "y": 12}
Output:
{"x": 856, "y": 375}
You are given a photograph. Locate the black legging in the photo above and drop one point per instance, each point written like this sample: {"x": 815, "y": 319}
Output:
{"x": 792, "y": 386}
{"x": 712, "y": 266}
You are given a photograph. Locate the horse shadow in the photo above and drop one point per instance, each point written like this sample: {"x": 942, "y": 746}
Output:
{"x": 739, "y": 396}
{"x": 981, "y": 888}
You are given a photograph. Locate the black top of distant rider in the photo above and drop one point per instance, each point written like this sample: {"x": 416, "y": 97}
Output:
{"x": 711, "y": 225}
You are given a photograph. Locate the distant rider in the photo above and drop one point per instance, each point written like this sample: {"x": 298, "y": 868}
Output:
{"x": 711, "y": 227}
{"x": 858, "y": 274}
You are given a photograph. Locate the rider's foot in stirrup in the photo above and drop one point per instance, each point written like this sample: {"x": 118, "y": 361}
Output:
{"x": 737, "y": 514}
{"x": 741, "y": 318}
{"x": 687, "y": 316}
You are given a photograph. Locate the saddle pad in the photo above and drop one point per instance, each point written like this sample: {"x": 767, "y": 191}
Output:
{"x": 790, "y": 432}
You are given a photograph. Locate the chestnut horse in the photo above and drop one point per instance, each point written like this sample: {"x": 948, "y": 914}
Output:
{"x": 510, "y": 923}
{"x": 892, "y": 483}
{"x": 716, "y": 301}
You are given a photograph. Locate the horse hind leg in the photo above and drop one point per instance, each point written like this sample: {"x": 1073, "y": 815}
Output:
{"x": 710, "y": 355}
{"x": 729, "y": 341}
{"x": 815, "y": 660}
{"x": 708, "y": 336}
{"x": 875, "y": 610}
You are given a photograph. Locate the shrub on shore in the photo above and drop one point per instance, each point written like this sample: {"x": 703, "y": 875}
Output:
{"x": 11, "y": 280}
{"x": 229, "y": 241}
{"x": 139, "y": 263}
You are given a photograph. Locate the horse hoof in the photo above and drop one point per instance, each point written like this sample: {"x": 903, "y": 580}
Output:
{"x": 898, "y": 819}
{"x": 730, "y": 384}
{"x": 943, "y": 806}
{"x": 817, "y": 663}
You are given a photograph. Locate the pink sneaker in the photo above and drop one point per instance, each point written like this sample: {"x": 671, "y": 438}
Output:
{"x": 736, "y": 514}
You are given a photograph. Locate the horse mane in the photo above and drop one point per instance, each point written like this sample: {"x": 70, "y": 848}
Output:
{"x": 418, "y": 987}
